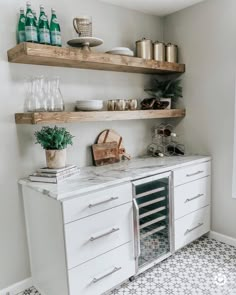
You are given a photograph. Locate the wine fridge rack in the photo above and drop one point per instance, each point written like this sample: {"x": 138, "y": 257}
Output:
{"x": 165, "y": 142}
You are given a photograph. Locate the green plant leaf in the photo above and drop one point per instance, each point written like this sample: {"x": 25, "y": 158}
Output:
{"x": 166, "y": 89}
{"x": 53, "y": 138}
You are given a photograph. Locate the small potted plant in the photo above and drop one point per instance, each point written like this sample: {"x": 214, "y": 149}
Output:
{"x": 55, "y": 141}
{"x": 166, "y": 91}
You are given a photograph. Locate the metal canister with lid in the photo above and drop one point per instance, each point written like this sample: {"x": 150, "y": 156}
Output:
{"x": 144, "y": 48}
{"x": 171, "y": 53}
{"x": 159, "y": 51}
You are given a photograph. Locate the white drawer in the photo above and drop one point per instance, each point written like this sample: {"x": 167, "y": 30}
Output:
{"x": 103, "y": 273}
{"x": 98, "y": 201}
{"x": 92, "y": 236}
{"x": 191, "y": 196}
{"x": 191, "y": 227}
{"x": 190, "y": 173}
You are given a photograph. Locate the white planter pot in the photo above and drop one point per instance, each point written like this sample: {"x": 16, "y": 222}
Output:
{"x": 56, "y": 158}
{"x": 169, "y": 100}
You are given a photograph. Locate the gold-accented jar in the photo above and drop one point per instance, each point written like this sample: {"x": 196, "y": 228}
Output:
{"x": 159, "y": 51}
{"x": 171, "y": 53}
{"x": 144, "y": 48}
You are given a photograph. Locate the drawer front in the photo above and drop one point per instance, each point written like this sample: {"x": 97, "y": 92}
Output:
{"x": 89, "y": 237}
{"x": 103, "y": 273}
{"x": 96, "y": 202}
{"x": 191, "y": 227}
{"x": 191, "y": 196}
{"x": 190, "y": 173}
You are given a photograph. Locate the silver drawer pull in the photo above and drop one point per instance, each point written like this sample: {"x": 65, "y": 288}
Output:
{"x": 103, "y": 202}
{"x": 193, "y": 174}
{"x": 105, "y": 234}
{"x": 95, "y": 280}
{"x": 192, "y": 229}
{"x": 194, "y": 198}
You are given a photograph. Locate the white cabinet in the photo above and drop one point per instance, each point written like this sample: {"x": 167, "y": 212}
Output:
{"x": 85, "y": 245}
{"x": 97, "y": 234}
{"x": 103, "y": 273}
{"x": 191, "y": 227}
{"x": 191, "y": 173}
{"x": 89, "y": 204}
{"x": 192, "y": 198}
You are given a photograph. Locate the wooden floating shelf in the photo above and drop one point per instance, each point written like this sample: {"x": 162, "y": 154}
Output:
{"x": 37, "y": 54}
{"x": 76, "y": 117}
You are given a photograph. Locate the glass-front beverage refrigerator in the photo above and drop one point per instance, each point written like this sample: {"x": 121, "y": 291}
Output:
{"x": 152, "y": 220}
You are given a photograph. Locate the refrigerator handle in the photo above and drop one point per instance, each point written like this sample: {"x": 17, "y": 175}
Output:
{"x": 136, "y": 229}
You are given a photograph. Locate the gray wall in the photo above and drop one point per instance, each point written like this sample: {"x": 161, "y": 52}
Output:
{"x": 206, "y": 34}
{"x": 19, "y": 155}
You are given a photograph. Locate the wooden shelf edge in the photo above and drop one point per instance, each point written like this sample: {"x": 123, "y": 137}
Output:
{"x": 30, "y": 53}
{"x": 76, "y": 117}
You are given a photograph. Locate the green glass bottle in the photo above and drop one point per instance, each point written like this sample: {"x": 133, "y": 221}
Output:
{"x": 36, "y": 21}
{"x": 55, "y": 30}
{"x": 35, "y": 17}
{"x": 21, "y": 27}
{"x": 44, "y": 32}
{"x": 30, "y": 26}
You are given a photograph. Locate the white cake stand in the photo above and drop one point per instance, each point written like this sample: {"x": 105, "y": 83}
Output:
{"x": 85, "y": 42}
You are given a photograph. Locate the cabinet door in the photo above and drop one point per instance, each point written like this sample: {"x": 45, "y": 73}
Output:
{"x": 190, "y": 173}
{"x": 191, "y": 196}
{"x": 103, "y": 273}
{"x": 92, "y": 236}
{"x": 95, "y": 202}
{"x": 191, "y": 227}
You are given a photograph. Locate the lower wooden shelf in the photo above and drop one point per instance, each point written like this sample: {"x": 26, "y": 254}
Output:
{"x": 76, "y": 117}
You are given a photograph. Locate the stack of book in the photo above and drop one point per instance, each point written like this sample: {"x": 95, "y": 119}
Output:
{"x": 54, "y": 175}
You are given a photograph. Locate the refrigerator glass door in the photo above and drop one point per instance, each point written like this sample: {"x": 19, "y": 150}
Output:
{"x": 153, "y": 217}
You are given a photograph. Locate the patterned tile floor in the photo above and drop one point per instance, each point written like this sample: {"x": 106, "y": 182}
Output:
{"x": 205, "y": 267}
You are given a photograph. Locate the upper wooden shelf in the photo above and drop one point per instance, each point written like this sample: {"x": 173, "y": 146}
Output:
{"x": 29, "y": 53}
{"x": 73, "y": 117}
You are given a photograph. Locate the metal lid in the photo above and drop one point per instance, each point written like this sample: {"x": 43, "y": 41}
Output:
{"x": 158, "y": 42}
{"x": 170, "y": 44}
{"x": 144, "y": 40}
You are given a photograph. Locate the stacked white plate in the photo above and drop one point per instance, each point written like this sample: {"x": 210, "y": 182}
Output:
{"x": 89, "y": 105}
{"x": 121, "y": 51}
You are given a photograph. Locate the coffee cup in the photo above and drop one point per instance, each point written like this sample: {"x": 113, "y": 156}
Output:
{"x": 111, "y": 105}
{"x": 131, "y": 104}
{"x": 120, "y": 105}
{"x": 83, "y": 26}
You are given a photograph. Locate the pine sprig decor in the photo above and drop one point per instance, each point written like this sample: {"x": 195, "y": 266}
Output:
{"x": 166, "y": 89}
{"x": 53, "y": 138}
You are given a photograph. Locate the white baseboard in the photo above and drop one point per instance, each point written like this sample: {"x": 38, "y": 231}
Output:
{"x": 222, "y": 238}
{"x": 17, "y": 288}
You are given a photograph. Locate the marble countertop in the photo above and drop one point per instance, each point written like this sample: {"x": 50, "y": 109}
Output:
{"x": 93, "y": 178}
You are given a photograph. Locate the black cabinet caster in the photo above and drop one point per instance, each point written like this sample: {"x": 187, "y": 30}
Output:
{"x": 131, "y": 279}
